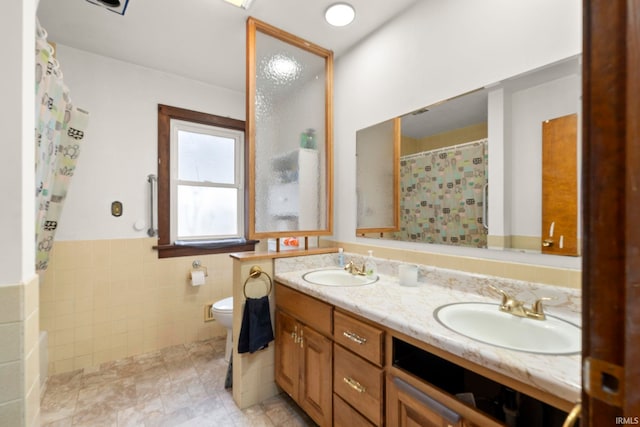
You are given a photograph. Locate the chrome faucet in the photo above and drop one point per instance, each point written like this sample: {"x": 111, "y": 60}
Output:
{"x": 516, "y": 307}
{"x": 351, "y": 268}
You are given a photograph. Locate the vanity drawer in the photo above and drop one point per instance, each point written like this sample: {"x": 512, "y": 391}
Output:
{"x": 365, "y": 340}
{"x": 359, "y": 383}
{"x": 308, "y": 310}
{"x": 345, "y": 416}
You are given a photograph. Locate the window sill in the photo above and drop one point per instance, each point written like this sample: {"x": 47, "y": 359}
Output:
{"x": 171, "y": 251}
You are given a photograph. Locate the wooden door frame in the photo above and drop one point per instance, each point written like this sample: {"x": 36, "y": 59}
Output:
{"x": 611, "y": 204}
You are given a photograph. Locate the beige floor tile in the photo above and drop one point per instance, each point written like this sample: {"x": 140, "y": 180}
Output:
{"x": 181, "y": 385}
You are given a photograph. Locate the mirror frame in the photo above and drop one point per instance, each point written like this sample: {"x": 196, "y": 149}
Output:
{"x": 397, "y": 139}
{"x": 253, "y": 26}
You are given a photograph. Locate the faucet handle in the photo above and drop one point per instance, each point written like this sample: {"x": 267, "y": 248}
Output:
{"x": 537, "y": 308}
{"x": 350, "y": 266}
{"x": 505, "y": 296}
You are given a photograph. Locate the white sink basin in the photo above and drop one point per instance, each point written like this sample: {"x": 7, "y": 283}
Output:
{"x": 486, "y": 323}
{"x": 337, "y": 277}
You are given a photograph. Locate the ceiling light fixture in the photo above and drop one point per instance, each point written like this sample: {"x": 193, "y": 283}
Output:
{"x": 340, "y": 14}
{"x": 245, "y": 4}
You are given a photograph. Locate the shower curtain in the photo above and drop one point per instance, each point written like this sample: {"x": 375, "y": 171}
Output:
{"x": 59, "y": 133}
{"x": 442, "y": 195}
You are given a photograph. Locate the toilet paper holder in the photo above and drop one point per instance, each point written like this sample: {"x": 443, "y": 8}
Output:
{"x": 197, "y": 266}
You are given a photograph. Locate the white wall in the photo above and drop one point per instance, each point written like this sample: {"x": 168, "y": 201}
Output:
{"x": 121, "y": 147}
{"x": 16, "y": 175}
{"x": 435, "y": 50}
{"x": 375, "y": 175}
{"x": 19, "y": 357}
{"x": 515, "y": 150}
{"x": 530, "y": 108}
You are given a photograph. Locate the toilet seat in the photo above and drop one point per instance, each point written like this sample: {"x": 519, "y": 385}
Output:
{"x": 224, "y": 305}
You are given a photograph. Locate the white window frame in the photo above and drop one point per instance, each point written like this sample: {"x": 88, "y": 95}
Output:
{"x": 177, "y": 125}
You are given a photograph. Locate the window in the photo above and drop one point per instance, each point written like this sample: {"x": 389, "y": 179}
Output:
{"x": 206, "y": 182}
{"x": 201, "y": 183}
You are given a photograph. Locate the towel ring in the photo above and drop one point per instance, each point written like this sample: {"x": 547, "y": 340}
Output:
{"x": 254, "y": 273}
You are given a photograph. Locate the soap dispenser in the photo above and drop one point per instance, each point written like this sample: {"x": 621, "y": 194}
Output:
{"x": 370, "y": 267}
{"x": 340, "y": 258}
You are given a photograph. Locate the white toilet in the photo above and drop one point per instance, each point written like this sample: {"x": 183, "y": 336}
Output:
{"x": 222, "y": 311}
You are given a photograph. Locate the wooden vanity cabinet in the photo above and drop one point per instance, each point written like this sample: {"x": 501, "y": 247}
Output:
{"x": 287, "y": 354}
{"x": 345, "y": 416}
{"x": 346, "y": 371}
{"x": 359, "y": 337}
{"x": 358, "y": 374}
{"x": 308, "y": 310}
{"x": 303, "y": 355}
{"x": 359, "y": 383}
{"x": 408, "y": 406}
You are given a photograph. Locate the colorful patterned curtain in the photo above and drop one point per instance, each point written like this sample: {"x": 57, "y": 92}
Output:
{"x": 59, "y": 132}
{"x": 442, "y": 195}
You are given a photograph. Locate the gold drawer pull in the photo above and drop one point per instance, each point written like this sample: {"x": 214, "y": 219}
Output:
{"x": 354, "y": 384}
{"x": 355, "y": 337}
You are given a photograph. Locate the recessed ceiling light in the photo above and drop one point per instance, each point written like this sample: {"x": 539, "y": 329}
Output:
{"x": 340, "y": 14}
{"x": 245, "y": 4}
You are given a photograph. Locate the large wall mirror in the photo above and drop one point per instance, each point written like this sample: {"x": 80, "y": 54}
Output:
{"x": 471, "y": 168}
{"x": 289, "y": 123}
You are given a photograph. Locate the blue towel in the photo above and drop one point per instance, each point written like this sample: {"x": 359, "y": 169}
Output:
{"x": 255, "y": 332}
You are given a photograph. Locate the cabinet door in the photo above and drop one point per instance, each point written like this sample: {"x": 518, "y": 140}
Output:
{"x": 316, "y": 384}
{"x": 409, "y": 407}
{"x": 287, "y": 353}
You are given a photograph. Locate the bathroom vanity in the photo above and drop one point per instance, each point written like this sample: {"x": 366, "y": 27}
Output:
{"x": 375, "y": 355}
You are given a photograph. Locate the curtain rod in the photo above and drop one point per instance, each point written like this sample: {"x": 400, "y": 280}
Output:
{"x": 450, "y": 147}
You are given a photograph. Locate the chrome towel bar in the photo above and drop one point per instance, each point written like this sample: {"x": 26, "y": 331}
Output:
{"x": 153, "y": 181}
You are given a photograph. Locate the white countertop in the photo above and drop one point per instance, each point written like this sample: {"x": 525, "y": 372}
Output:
{"x": 409, "y": 310}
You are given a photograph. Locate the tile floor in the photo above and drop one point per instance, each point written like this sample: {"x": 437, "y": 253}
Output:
{"x": 177, "y": 386}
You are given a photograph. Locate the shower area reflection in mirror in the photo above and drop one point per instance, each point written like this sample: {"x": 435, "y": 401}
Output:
{"x": 442, "y": 195}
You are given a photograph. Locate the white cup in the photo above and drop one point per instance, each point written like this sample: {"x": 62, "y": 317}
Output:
{"x": 408, "y": 274}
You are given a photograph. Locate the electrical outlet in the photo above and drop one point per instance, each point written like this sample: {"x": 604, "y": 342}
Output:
{"x": 208, "y": 316}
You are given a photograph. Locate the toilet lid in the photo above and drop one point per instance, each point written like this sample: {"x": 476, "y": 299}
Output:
{"x": 225, "y": 304}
